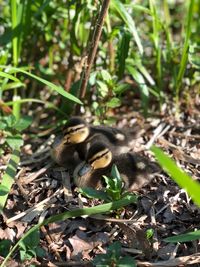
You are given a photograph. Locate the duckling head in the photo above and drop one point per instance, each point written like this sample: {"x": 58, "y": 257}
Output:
{"x": 99, "y": 156}
{"x": 86, "y": 173}
{"x": 76, "y": 131}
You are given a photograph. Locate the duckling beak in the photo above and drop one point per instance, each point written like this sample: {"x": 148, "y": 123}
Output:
{"x": 85, "y": 169}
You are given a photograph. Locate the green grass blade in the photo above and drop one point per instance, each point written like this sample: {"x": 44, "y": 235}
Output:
{"x": 137, "y": 76}
{"x": 178, "y": 175}
{"x": 12, "y": 85}
{"x": 139, "y": 8}
{"x": 122, "y": 53}
{"x": 191, "y": 236}
{"x": 75, "y": 213}
{"x": 156, "y": 39}
{"x": 119, "y": 7}
{"x": 16, "y": 106}
{"x": 184, "y": 57}
{"x": 8, "y": 177}
{"x": 14, "y": 27}
{"x": 8, "y": 76}
{"x": 52, "y": 86}
{"x": 29, "y": 100}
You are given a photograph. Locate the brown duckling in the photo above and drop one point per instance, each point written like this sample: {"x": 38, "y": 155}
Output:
{"x": 78, "y": 132}
{"x": 64, "y": 154}
{"x": 135, "y": 170}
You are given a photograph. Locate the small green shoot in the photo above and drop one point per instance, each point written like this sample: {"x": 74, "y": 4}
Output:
{"x": 113, "y": 191}
{"x": 114, "y": 185}
{"x": 114, "y": 257}
{"x": 149, "y": 233}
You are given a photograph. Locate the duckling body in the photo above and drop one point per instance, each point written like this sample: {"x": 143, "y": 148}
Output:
{"x": 64, "y": 154}
{"x": 135, "y": 170}
{"x": 78, "y": 136}
{"x": 83, "y": 136}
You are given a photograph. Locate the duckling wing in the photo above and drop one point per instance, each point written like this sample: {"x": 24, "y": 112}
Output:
{"x": 136, "y": 171}
{"x": 114, "y": 135}
{"x": 64, "y": 155}
{"x": 118, "y": 136}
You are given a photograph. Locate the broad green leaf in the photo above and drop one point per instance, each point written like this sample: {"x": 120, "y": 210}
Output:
{"x": 178, "y": 175}
{"x": 9, "y": 120}
{"x": 114, "y": 102}
{"x": 5, "y": 247}
{"x": 93, "y": 193}
{"x": 3, "y": 125}
{"x": 121, "y": 88}
{"x": 32, "y": 240}
{"x": 40, "y": 252}
{"x": 106, "y": 75}
{"x": 103, "y": 88}
{"x": 23, "y": 123}
{"x": 15, "y": 141}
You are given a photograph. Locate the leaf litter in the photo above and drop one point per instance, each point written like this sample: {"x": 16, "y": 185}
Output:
{"x": 42, "y": 189}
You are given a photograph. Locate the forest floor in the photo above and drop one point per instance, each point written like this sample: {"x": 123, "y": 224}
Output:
{"x": 42, "y": 189}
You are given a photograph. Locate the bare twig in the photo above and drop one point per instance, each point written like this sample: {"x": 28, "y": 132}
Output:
{"x": 93, "y": 48}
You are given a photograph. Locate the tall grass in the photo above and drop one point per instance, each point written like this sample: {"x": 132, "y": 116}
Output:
{"x": 166, "y": 60}
{"x": 184, "y": 58}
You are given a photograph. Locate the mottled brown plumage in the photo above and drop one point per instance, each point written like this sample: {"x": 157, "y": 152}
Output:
{"x": 78, "y": 136}
{"x": 83, "y": 135}
{"x": 135, "y": 170}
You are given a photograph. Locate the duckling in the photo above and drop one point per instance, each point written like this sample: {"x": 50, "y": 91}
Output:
{"x": 64, "y": 154}
{"x": 83, "y": 135}
{"x": 135, "y": 170}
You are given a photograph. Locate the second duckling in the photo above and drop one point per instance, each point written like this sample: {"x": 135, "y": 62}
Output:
{"x": 135, "y": 170}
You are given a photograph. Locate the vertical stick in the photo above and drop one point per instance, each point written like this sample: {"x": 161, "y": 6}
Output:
{"x": 93, "y": 49}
